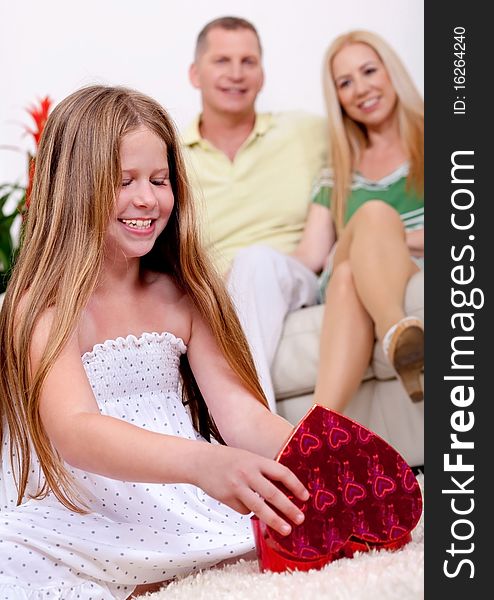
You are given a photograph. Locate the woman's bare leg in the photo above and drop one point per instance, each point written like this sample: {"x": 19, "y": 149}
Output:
{"x": 373, "y": 242}
{"x": 347, "y": 341}
{"x": 365, "y": 299}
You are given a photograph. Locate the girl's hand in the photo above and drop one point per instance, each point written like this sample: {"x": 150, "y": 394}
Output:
{"x": 244, "y": 481}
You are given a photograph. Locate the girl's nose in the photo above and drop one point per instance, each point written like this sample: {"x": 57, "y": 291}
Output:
{"x": 145, "y": 196}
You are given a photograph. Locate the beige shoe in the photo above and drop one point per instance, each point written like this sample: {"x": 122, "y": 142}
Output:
{"x": 403, "y": 345}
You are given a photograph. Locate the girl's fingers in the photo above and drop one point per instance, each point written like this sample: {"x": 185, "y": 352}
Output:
{"x": 277, "y": 499}
{"x": 266, "y": 514}
{"x": 288, "y": 479}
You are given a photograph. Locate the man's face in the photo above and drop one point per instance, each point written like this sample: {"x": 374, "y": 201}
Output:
{"x": 228, "y": 71}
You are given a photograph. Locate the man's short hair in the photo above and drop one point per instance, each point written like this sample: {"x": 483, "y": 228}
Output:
{"x": 229, "y": 23}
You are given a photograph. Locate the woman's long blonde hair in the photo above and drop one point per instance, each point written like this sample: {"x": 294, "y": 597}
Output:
{"x": 347, "y": 138}
{"x": 77, "y": 174}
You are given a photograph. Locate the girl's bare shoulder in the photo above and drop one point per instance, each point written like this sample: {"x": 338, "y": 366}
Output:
{"x": 44, "y": 321}
{"x": 43, "y": 331}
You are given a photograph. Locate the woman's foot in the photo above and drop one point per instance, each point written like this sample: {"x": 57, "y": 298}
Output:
{"x": 403, "y": 345}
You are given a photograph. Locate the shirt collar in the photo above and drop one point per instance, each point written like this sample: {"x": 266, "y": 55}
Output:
{"x": 192, "y": 135}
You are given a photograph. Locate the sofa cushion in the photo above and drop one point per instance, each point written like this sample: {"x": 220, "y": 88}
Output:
{"x": 295, "y": 366}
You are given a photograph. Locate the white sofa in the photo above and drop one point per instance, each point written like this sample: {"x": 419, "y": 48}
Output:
{"x": 381, "y": 404}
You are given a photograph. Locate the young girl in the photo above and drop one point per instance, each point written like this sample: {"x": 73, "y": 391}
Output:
{"x": 374, "y": 196}
{"x": 107, "y": 480}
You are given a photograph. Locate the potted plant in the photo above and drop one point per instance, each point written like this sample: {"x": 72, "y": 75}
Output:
{"x": 14, "y": 197}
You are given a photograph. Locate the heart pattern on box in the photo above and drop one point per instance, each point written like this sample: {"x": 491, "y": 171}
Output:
{"x": 362, "y": 493}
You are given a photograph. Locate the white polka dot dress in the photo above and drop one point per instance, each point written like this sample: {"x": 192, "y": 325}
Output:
{"x": 135, "y": 533}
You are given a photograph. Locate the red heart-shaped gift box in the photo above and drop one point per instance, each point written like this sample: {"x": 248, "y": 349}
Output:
{"x": 362, "y": 495}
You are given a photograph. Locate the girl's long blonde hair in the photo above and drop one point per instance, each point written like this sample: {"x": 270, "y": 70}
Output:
{"x": 347, "y": 138}
{"x": 76, "y": 177}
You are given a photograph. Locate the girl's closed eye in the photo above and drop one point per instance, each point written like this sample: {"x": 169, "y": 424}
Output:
{"x": 126, "y": 182}
{"x": 160, "y": 181}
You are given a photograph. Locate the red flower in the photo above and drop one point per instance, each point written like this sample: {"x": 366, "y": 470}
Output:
{"x": 40, "y": 116}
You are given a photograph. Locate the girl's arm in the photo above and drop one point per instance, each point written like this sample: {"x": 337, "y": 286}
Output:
{"x": 243, "y": 423}
{"x": 97, "y": 443}
{"x": 415, "y": 242}
{"x": 317, "y": 239}
{"x": 241, "y": 419}
{"x": 111, "y": 447}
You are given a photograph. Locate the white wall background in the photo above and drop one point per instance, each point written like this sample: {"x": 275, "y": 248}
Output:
{"x": 56, "y": 46}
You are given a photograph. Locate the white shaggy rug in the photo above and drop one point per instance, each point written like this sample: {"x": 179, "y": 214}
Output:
{"x": 373, "y": 575}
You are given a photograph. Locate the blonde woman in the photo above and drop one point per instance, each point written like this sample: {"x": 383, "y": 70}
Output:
{"x": 371, "y": 201}
{"x": 108, "y": 482}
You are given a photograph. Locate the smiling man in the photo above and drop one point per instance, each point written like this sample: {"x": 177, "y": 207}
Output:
{"x": 253, "y": 173}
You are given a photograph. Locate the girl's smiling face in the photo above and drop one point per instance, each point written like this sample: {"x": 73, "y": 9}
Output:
{"x": 364, "y": 88}
{"x": 145, "y": 199}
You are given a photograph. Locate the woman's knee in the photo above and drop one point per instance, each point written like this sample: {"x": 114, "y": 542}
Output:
{"x": 379, "y": 213}
{"x": 341, "y": 283}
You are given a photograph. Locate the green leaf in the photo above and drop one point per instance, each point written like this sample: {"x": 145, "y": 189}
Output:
{"x": 6, "y": 250}
{"x": 3, "y": 282}
{"x": 11, "y": 189}
{"x": 7, "y": 221}
{"x": 9, "y": 246}
{"x": 4, "y": 198}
